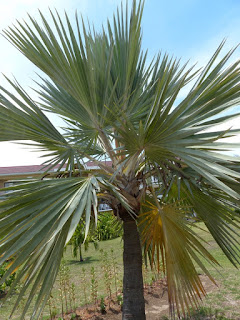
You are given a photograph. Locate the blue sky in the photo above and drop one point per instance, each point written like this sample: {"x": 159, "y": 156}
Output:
{"x": 190, "y": 29}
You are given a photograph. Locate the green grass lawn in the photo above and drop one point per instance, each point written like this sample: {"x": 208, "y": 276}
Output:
{"x": 226, "y": 298}
{"x": 75, "y": 289}
{"x": 71, "y": 279}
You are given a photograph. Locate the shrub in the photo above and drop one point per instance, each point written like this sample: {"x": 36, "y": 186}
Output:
{"x": 108, "y": 226}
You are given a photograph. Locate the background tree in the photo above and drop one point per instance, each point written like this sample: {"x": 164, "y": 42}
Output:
{"x": 79, "y": 240}
{"x": 116, "y": 106}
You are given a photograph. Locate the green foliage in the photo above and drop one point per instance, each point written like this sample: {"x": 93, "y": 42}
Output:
{"x": 8, "y": 281}
{"x": 80, "y": 239}
{"x": 73, "y": 295}
{"x": 73, "y": 316}
{"x": 52, "y": 307}
{"x": 108, "y": 227}
{"x": 67, "y": 289}
{"x": 120, "y": 299}
{"x": 115, "y": 272}
{"x": 94, "y": 285}
{"x": 84, "y": 285}
{"x": 107, "y": 272}
{"x": 102, "y": 306}
{"x": 205, "y": 313}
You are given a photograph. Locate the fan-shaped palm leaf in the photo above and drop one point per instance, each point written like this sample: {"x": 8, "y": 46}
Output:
{"x": 167, "y": 236}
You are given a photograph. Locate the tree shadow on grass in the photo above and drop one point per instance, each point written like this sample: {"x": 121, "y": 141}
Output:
{"x": 86, "y": 260}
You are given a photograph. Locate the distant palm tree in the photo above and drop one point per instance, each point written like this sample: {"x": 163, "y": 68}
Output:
{"x": 167, "y": 159}
{"x": 78, "y": 240}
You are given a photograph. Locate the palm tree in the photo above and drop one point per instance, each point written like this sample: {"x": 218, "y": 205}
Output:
{"x": 78, "y": 240}
{"x": 168, "y": 161}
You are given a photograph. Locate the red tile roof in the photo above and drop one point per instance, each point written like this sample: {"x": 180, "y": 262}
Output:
{"x": 36, "y": 168}
{"x": 22, "y": 169}
{"x": 92, "y": 164}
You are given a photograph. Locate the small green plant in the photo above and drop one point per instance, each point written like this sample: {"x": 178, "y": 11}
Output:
{"x": 73, "y": 295}
{"x": 61, "y": 298}
{"x": 102, "y": 306}
{"x": 115, "y": 273}
{"x": 52, "y": 307}
{"x": 120, "y": 299}
{"x": 94, "y": 285}
{"x": 68, "y": 288}
{"x": 145, "y": 272}
{"x": 54, "y": 313}
{"x": 65, "y": 288}
{"x": 73, "y": 316}
{"x": 107, "y": 272}
{"x": 84, "y": 285}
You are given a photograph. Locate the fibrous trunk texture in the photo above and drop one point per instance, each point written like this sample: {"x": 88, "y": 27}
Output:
{"x": 133, "y": 298}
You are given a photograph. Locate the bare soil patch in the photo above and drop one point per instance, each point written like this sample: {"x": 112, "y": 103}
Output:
{"x": 156, "y": 303}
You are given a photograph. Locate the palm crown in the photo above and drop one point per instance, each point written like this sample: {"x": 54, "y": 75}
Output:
{"x": 166, "y": 163}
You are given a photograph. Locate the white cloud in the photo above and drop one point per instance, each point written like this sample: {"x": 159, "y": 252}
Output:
{"x": 200, "y": 54}
{"x": 13, "y": 154}
{"x": 203, "y": 54}
{"x": 13, "y": 63}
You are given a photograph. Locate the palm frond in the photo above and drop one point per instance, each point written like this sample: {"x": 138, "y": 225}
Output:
{"x": 37, "y": 219}
{"x": 171, "y": 135}
{"x": 168, "y": 238}
{"x": 22, "y": 119}
{"x": 217, "y": 212}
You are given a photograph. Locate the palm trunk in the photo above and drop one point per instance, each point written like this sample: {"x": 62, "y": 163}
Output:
{"x": 133, "y": 298}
